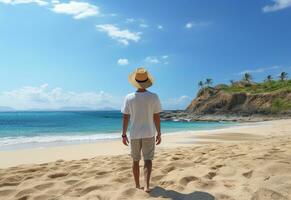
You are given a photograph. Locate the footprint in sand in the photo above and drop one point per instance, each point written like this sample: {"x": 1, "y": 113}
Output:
{"x": 120, "y": 180}
{"x": 248, "y": 174}
{"x": 71, "y": 182}
{"x": 26, "y": 197}
{"x": 176, "y": 158}
{"x": 223, "y": 197}
{"x": 72, "y": 167}
{"x": 102, "y": 173}
{"x": 267, "y": 194}
{"x": 157, "y": 178}
{"x": 210, "y": 175}
{"x": 185, "y": 180}
{"x": 44, "y": 186}
{"x": 166, "y": 183}
{"x": 168, "y": 169}
{"x": 90, "y": 189}
{"x": 58, "y": 175}
{"x": 217, "y": 167}
{"x": 129, "y": 192}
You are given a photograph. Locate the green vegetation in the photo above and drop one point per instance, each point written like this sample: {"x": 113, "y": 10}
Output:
{"x": 264, "y": 87}
{"x": 247, "y": 85}
{"x": 279, "y": 105}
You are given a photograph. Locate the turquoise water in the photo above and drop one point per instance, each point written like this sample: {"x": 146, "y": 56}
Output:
{"x": 40, "y": 129}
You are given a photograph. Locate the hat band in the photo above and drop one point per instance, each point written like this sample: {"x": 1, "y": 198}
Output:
{"x": 142, "y": 81}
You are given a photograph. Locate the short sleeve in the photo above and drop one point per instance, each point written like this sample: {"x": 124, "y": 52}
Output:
{"x": 157, "y": 105}
{"x": 125, "y": 107}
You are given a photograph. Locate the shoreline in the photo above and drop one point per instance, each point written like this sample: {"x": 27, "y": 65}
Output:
{"x": 181, "y": 115}
{"x": 65, "y": 139}
{"x": 12, "y": 158}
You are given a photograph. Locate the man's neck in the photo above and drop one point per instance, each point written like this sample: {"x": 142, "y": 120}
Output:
{"x": 141, "y": 90}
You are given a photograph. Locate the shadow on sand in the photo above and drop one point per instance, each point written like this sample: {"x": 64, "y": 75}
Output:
{"x": 161, "y": 192}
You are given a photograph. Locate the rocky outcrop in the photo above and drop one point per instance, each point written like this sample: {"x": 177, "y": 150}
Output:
{"x": 217, "y": 101}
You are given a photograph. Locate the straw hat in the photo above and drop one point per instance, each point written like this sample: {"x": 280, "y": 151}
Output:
{"x": 141, "y": 78}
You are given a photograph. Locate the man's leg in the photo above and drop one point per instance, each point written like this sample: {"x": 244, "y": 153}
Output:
{"x": 148, "y": 149}
{"x": 135, "y": 171}
{"x": 147, "y": 174}
{"x": 135, "y": 154}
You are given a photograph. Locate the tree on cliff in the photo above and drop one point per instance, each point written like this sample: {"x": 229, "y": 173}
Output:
{"x": 269, "y": 78}
{"x": 200, "y": 84}
{"x": 208, "y": 82}
{"x": 247, "y": 77}
{"x": 283, "y": 76}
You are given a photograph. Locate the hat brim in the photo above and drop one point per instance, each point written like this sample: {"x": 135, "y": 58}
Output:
{"x": 140, "y": 85}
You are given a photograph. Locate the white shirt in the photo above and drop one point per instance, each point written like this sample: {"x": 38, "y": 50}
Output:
{"x": 141, "y": 106}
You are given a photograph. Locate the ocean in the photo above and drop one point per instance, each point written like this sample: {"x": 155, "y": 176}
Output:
{"x": 42, "y": 129}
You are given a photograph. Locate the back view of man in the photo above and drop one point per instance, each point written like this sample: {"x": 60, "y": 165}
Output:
{"x": 142, "y": 108}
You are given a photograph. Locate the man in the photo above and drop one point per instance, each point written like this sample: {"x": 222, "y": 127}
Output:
{"x": 142, "y": 108}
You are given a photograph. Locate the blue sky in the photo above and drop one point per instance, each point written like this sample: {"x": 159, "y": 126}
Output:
{"x": 79, "y": 53}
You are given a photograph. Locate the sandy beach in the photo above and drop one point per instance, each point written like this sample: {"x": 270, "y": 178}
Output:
{"x": 252, "y": 161}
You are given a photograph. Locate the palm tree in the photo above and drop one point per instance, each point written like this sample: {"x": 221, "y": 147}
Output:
{"x": 200, "y": 84}
{"x": 283, "y": 76}
{"x": 208, "y": 82}
{"x": 269, "y": 78}
{"x": 247, "y": 77}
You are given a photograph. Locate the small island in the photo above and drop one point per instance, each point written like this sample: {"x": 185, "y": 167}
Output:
{"x": 242, "y": 100}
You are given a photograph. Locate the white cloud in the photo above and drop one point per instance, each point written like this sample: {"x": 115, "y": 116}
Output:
{"x": 157, "y": 59}
{"x": 78, "y": 9}
{"x": 278, "y": 5}
{"x": 15, "y": 2}
{"x": 122, "y": 61}
{"x": 152, "y": 59}
{"x": 160, "y": 27}
{"x": 190, "y": 25}
{"x": 122, "y": 36}
{"x": 135, "y": 20}
{"x": 259, "y": 70}
{"x": 130, "y": 20}
{"x": 42, "y": 97}
{"x": 177, "y": 103}
{"x": 143, "y": 25}
{"x": 113, "y": 14}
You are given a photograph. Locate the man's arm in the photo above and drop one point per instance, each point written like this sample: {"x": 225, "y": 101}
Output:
{"x": 157, "y": 122}
{"x": 125, "y": 121}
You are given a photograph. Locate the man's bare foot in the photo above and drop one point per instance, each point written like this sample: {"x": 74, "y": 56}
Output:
{"x": 137, "y": 187}
{"x": 146, "y": 189}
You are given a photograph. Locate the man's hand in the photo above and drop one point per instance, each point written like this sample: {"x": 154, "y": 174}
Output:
{"x": 157, "y": 122}
{"x": 158, "y": 139}
{"x": 125, "y": 120}
{"x": 125, "y": 140}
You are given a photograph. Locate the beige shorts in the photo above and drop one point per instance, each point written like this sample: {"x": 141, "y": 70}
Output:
{"x": 146, "y": 145}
